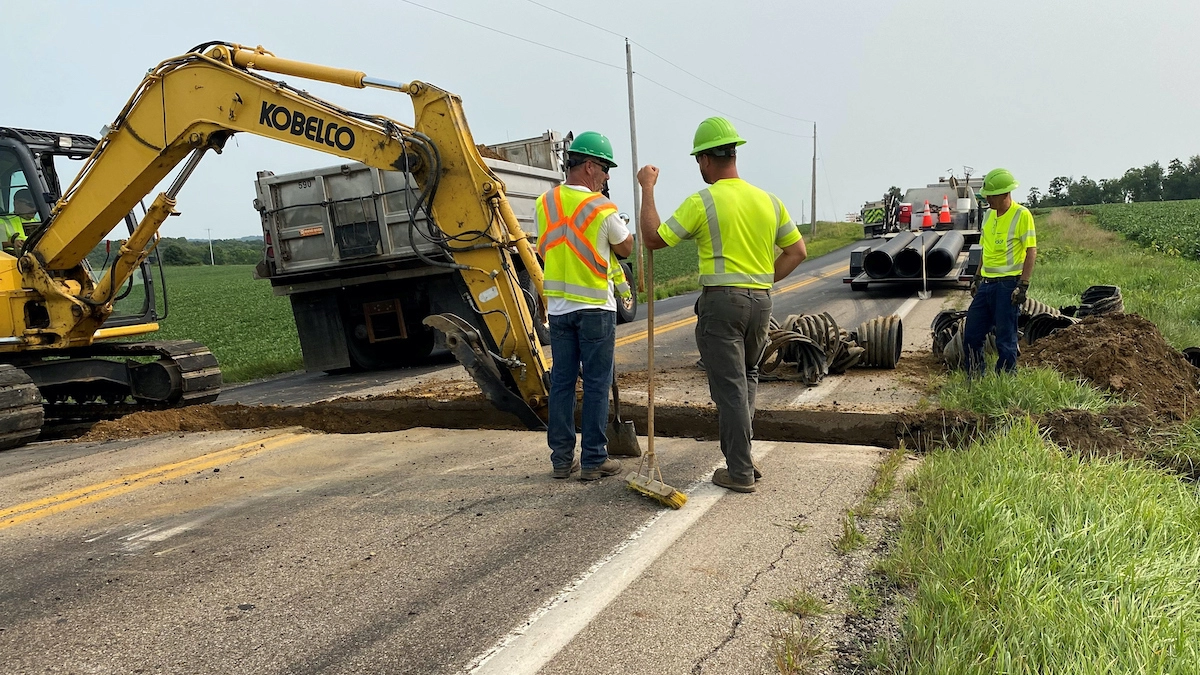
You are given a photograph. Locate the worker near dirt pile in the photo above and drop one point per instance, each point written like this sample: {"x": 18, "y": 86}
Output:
{"x": 737, "y": 228}
{"x": 1009, "y": 250}
{"x": 578, "y": 233}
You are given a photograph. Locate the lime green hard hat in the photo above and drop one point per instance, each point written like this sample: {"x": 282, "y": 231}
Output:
{"x": 715, "y": 132}
{"x": 593, "y": 144}
{"x": 998, "y": 182}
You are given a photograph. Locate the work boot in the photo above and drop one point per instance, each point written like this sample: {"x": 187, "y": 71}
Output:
{"x": 757, "y": 474}
{"x": 722, "y": 478}
{"x": 610, "y": 467}
{"x": 566, "y": 471}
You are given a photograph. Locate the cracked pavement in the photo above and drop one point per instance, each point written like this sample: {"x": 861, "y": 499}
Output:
{"x": 703, "y": 607}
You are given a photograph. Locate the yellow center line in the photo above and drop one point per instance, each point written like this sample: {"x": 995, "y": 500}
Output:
{"x": 666, "y": 328}
{"x": 40, "y": 508}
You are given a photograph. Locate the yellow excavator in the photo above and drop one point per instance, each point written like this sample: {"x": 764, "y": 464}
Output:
{"x": 61, "y": 314}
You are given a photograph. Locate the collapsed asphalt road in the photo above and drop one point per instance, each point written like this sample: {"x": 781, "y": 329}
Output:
{"x": 815, "y": 287}
{"x": 423, "y": 551}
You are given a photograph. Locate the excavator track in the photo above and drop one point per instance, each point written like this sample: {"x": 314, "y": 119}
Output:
{"x": 21, "y": 412}
{"x": 183, "y": 373}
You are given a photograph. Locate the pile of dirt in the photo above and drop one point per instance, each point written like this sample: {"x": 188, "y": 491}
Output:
{"x": 1127, "y": 355}
{"x": 148, "y": 423}
{"x": 1119, "y": 431}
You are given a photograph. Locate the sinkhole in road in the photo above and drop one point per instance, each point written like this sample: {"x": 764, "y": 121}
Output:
{"x": 356, "y": 416}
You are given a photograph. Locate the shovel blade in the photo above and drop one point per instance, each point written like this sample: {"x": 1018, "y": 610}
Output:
{"x": 622, "y": 439}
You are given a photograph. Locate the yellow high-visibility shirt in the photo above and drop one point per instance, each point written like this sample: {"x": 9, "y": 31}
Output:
{"x": 14, "y": 225}
{"x": 736, "y": 227}
{"x": 1005, "y": 240}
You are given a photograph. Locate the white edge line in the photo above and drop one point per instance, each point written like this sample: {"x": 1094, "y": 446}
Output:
{"x": 552, "y": 626}
{"x": 907, "y": 307}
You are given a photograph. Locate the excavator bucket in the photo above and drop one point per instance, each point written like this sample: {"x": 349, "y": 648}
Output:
{"x": 469, "y": 349}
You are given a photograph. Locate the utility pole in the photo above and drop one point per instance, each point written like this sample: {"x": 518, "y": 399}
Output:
{"x": 814, "y": 182}
{"x": 637, "y": 190}
{"x": 211, "y": 261}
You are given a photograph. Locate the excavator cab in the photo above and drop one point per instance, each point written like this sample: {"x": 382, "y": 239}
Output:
{"x": 29, "y": 172}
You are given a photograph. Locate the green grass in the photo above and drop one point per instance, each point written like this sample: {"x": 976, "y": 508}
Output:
{"x": 677, "y": 268}
{"x": 249, "y": 330}
{"x": 794, "y": 648}
{"x": 1073, "y": 253}
{"x": 882, "y": 486}
{"x": 852, "y": 538}
{"x": 800, "y": 604}
{"x": 1028, "y": 391}
{"x": 1179, "y": 451}
{"x": 1026, "y": 559}
{"x": 864, "y": 600}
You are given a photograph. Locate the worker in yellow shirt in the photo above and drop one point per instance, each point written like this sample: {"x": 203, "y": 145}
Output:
{"x": 24, "y": 211}
{"x": 1009, "y": 243}
{"x": 736, "y": 227}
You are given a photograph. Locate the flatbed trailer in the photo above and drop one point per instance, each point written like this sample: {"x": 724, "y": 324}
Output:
{"x": 965, "y": 266}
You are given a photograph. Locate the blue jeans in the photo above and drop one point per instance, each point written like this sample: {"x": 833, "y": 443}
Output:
{"x": 992, "y": 308}
{"x": 585, "y": 337}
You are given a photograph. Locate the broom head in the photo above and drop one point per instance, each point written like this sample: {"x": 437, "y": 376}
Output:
{"x": 656, "y": 490}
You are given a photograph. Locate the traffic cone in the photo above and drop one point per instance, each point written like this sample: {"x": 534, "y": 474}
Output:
{"x": 944, "y": 214}
{"x": 927, "y": 218}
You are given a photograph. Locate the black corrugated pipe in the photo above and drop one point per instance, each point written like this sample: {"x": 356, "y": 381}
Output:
{"x": 940, "y": 260}
{"x": 878, "y": 263}
{"x": 907, "y": 263}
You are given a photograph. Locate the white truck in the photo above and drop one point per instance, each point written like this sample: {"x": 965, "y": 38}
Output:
{"x": 362, "y": 270}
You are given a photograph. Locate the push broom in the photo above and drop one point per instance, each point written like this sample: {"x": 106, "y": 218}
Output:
{"x": 648, "y": 479}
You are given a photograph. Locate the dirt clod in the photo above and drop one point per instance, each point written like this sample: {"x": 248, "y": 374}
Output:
{"x": 1127, "y": 355}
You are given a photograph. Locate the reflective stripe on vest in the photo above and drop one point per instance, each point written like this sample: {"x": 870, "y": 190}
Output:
{"x": 617, "y": 275}
{"x": 570, "y": 231}
{"x": 718, "y": 276}
{"x": 574, "y": 269}
{"x": 1011, "y": 264}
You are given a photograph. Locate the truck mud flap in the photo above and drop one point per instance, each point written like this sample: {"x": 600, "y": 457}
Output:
{"x": 468, "y": 347}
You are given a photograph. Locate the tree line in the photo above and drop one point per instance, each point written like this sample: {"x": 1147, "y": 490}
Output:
{"x": 181, "y": 251}
{"x": 1150, "y": 183}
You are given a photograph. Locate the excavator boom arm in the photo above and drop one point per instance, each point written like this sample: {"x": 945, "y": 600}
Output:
{"x": 195, "y": 102}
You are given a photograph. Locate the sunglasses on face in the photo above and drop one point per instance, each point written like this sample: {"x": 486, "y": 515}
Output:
{"x": 603, "y": 168}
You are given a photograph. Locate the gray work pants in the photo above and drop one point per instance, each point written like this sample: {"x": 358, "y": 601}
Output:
{"x": 731, "y": 333}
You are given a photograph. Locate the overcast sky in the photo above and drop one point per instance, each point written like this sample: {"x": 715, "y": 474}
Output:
{"x": 901, "y": 90}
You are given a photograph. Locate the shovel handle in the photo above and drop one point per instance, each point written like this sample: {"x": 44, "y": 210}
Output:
{"x": 616, "y": 399}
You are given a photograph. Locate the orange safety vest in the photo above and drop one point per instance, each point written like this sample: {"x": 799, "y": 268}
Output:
{"x": 568, "y": 227}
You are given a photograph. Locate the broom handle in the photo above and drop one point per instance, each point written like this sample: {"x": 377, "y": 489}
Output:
{"x": 649, "y": 256}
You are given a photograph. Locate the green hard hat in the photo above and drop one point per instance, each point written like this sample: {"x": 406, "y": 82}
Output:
{"x": 715, "y": 132}
{"x": 998, "y": 182}
{"x": 593, "y": 144}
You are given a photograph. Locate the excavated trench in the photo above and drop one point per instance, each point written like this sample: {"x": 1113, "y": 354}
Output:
{"x": 356, "y": 416}
{"x": 1122, "y": 354}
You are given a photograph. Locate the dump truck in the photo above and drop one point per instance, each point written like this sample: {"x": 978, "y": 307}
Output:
{"x": 362, "y": 270}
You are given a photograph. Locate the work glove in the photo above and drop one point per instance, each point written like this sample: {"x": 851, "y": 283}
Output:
{"x": 1019, "y": 293}
{"x": 975, "y": 281}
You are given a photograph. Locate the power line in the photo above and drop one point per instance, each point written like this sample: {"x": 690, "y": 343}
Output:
{"x": 669, "y": 62}
{"x": 609, "y": 65}
{"x": 575, "y": 18}
{"x": 511, "y": 35}
{"x": 720, "y": 89}
{"x": 701, "y": 103}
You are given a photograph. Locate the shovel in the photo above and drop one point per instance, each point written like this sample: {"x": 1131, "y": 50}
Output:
{"x": 924, "y": 292}
{"x": 622, "y": 437}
